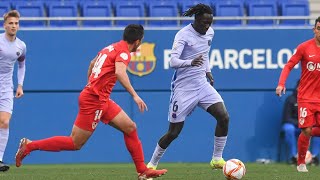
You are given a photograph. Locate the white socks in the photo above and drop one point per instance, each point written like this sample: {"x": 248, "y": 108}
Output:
{"x": 156, "y": 156}
{"x": 4, "y": 136}
{"x": 219, "y": 143}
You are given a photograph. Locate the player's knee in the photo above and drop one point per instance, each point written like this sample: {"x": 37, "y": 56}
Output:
{"x": 224, "y": 120}
{"x": 4, "y": 124}
{"x": 172, "y": 135}
{"x": 78, "y": 146}
{"x": 130, "y": 128}
{"x": 307, "y": 131}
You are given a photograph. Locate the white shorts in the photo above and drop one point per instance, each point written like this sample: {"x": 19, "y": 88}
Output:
{"x": 182, "y": 103}
{"x": 6, "y": 102}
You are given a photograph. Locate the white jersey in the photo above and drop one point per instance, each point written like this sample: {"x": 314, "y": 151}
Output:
{"x": 10, "y": 52}
{"x": 189, "y": 44}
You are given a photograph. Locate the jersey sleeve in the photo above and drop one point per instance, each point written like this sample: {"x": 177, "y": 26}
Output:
{"x": 24, "y": 52}
{"x": 295, "y": 59}
{"x": 124, "y": 57}
{"x": 177, "y": 48}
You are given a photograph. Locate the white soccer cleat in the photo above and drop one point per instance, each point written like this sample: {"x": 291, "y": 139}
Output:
{"x": 302, "y": 168}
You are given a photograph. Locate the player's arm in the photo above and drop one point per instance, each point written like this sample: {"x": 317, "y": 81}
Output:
{"x": 177, "y": 48}
{"x": 21, "y": 71}
{"x": 93, "y": 61}
{"x": 281, "y": 89}
{"x": 122, "y": 76}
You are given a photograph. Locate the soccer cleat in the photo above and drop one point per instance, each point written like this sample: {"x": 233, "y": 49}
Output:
{"x": 315, "y": 161}
{"x": 21, "y": 153}
{"x": 150, "y": 166}
{"x": 302, "y": 168}
{"x": 3, "y": 167}
{"x": 150, "y": 173}
{"x": 217, "y": 164}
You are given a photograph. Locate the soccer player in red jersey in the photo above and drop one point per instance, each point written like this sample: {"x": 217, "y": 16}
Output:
{"x": 308, "y": 53}
{"x": 95, "y": 105}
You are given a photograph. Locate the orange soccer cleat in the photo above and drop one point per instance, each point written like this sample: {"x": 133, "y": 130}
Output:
{"x": 21, "y": 153}
{"x": 150, "y": 173}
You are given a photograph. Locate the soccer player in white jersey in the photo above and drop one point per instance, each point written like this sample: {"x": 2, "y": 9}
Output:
{"x": 12, "y": 50}
{"x": 190, "y": 86}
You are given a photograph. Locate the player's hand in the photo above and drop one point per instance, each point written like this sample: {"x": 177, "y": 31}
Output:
{"x": 280, "y": 90}
{"x": 19, "y": 92}
{"x": 141, "y": 104}
{"x": 210, "y": 78}
{"x": 198, "y": 61}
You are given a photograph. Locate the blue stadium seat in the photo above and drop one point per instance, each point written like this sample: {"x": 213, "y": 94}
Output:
{"x": 229, "y": 8}
{"x": 96, "y": 9}
{"x": 4, "y": 8}
{"x": 63, "y": 9}
{"x": 185, "y": 5}
{"x": 262, "y": 8}
{"x": 30, "y": 9}
{"x": 294, "y": 8}
{"x": 163, "y": 9}
{"x": 129, "y": 9}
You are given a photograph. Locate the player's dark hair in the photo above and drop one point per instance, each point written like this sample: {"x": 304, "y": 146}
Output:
{"x": 12, "y": 13}
{"x": 133, "y": 32}
{"x": 197, "y": 10}
{"x": 316, "y": 21}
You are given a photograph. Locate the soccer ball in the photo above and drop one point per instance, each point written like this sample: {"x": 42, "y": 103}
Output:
{"x": 234, "y": 169}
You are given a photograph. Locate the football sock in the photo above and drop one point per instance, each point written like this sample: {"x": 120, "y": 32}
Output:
{"x": 303, "y": 145}
{"x": 55, "y": 144}
{"x": 134, "y": 146}
{"x": 157, "y": 154}
{"x": 4, "y": 135}
{"x": 219, "y": 144}
{"x": 315, "y": 131}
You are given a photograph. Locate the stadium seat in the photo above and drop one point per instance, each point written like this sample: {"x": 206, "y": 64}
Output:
{"x": 294, "y": 8}
{"x": 96, "y": 9}
{"x": 63, "y": 9}
{"x": 228, "y": 8}
{"x": 129, "y": 9}
{"x": 262, "y": 8}
{"x": 30, "y": 9}
{"x": 163, "y": 9}
{"x": 185, "y": 5}
{"x": 4, "y": 8}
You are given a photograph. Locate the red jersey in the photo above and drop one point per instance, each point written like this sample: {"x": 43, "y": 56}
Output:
{"x": 103, "y": 78}
{"x": 309, "y": 87}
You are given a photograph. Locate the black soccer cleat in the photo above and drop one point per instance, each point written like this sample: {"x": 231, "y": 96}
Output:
{"x": 3, "y": 167}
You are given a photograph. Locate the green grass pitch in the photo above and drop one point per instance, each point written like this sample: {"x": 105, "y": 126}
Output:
{"x": 183, "y": 171}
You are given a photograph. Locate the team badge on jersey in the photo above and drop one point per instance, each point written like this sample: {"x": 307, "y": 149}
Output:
{"x": 143, "y": 61}
{"x": 18, "y": 53}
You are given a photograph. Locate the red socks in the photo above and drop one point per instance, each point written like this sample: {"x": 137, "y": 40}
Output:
{"x": 56, "y": 143}
{"x": 134, "y": 146}
{"x": 303, "y": 145}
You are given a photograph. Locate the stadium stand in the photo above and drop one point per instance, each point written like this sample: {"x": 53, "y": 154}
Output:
{"x": 157, "y": 9}
{"x": 96, "y": 9}
{"x": 30, "y": 9}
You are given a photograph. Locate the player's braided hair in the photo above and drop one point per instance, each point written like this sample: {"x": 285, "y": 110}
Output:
{"x": 198, "y": 9}
{"x": 316, "y": 21}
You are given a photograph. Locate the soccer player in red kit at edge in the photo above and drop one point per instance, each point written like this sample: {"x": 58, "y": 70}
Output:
{"x": 95, "y": 105}
{"x": 308, "y": 53}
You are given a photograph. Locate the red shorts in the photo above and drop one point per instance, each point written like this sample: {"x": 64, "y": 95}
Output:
{"x": 308, "y": 114}
{"x": 92, "y": 110}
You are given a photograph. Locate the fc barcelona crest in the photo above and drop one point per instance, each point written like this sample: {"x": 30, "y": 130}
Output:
{"x": 143, "y": 60}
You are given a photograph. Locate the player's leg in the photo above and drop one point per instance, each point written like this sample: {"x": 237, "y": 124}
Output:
{"x": 118, "y": 119}
{"x": 4, "y": 136}
{"x": 85, "y": 124}
{"x": 172, "y": 133}
{"x": 6, "y": 106}
{"x": 182, "y": 103}
{"x": 211, "y": 101}
{"x": 306, "y": 121}
{"x": 289, "y": 130}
